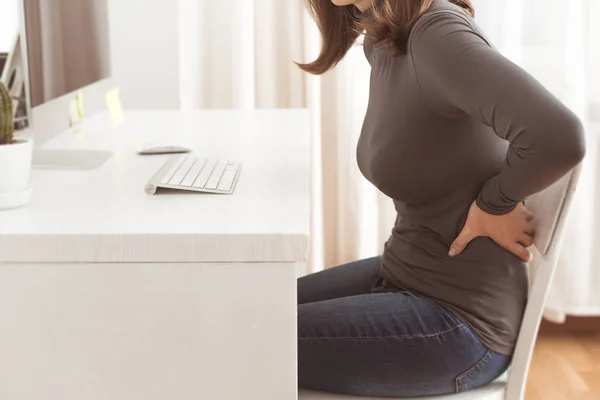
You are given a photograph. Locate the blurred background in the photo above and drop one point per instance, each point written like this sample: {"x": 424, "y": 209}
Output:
{"x": 190, "y": 54}
{"x": 193, "y": 54}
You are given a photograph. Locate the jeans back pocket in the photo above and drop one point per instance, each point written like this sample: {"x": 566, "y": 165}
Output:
{"x": 486, "y": 370}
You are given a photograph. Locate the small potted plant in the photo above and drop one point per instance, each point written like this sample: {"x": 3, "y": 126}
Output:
{"x": 15, "y": 157}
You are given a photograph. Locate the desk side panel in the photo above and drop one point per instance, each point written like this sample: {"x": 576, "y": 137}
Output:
{"x": 148, "y": 331}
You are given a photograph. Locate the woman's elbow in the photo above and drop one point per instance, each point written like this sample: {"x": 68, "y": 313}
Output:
{"x": 576, "y": 147}
{"x": 568, "y": 141}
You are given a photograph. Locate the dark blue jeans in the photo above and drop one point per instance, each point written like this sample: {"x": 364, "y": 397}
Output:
{"x": 355, "y": 339}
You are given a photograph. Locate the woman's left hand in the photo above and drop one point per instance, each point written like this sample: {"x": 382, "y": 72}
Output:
{"x": 512, "y": 231}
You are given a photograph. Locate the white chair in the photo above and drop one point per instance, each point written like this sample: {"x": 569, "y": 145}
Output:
{"x": 550, "y": 208}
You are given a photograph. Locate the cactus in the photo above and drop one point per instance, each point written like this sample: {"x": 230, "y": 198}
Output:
{"x": 6, "y": 116}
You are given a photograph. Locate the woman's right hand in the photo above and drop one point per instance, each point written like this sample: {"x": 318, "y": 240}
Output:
{"x": 513, "y": 231}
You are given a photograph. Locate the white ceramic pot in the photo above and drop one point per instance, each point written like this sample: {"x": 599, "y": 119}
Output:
{"x": 15, "y": 167}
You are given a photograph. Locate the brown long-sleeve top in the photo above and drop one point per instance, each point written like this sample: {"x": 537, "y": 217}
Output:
{"x": 451, "y": 122}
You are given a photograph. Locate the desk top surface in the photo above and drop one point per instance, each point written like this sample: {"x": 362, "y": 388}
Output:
{"x": 271, "y": 198}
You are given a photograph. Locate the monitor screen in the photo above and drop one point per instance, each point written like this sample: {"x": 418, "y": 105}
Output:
{"x": 67, "y": 46}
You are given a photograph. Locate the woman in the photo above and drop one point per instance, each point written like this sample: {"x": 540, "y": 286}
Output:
{"x": 459, "y": 137}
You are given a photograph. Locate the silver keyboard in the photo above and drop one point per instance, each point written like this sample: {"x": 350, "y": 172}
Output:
{"x": 196, "y": 174}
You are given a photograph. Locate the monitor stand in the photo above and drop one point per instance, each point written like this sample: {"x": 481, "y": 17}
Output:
{"x": 69, "y": 159}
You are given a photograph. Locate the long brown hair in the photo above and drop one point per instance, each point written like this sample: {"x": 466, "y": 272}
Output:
{"x": 388, "y": 25}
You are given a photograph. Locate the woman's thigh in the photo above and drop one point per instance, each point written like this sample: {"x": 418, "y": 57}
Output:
{"x": 390, "y": 345}
{"x": 350, "y": 279}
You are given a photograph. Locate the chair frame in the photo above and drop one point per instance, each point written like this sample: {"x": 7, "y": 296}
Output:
{"x": 542, "y": 269}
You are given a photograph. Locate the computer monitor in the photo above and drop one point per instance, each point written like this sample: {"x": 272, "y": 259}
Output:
{"x": 67, "y": 46}
{"x": 65, "y": 49}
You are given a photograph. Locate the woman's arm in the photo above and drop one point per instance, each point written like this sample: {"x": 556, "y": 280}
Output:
{"x": 461, "y": 74}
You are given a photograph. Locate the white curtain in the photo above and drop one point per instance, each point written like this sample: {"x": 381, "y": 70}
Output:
{"x": 557, "y": 42}
{"x": 240, "y": 53}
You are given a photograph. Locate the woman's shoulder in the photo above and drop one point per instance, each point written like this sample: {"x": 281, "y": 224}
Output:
{"x": 442, "y": 25}
{"x": 444, "y": 9}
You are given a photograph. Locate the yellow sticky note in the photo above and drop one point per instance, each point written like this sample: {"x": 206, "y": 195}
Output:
{"x": 113, "y": 101}
{"x": 79, "y": 102}
{"x": 73, "y": 113}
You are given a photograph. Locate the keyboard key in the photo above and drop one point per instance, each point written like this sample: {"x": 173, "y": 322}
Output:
{"x": 172, "y": 170}
{"x": 225, "y": 187}
{"x": 193, "y": 173}
{"x": 180, "y": 173}
{"x": 205, "y": 174}
{"x": 227, "y": 179}
{"x": 215, "y": 177}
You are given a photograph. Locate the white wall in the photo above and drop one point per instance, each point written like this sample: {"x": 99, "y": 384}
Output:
{"x": 145, "y": 52}
{"x": 9, "y": 23}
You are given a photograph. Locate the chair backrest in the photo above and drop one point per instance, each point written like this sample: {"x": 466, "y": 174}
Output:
{"x": 550, "y": 209}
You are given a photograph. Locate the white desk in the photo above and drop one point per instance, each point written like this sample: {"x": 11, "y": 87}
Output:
{"x": 107, "y": 293}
